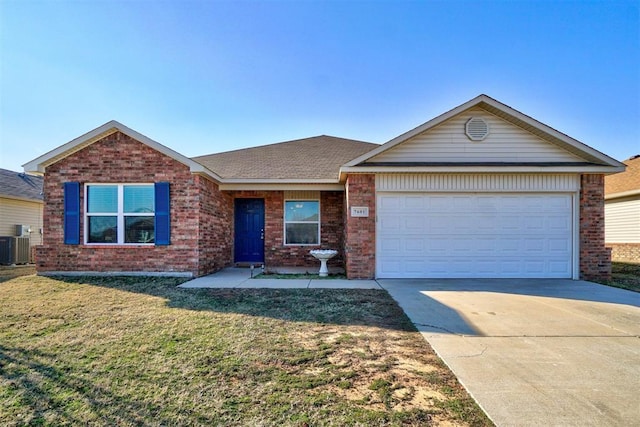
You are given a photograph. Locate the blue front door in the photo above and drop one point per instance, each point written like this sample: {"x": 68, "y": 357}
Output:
{"x": 249, "y": 230}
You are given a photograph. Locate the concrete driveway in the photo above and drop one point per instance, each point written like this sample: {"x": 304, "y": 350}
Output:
{"x": 534, "y": 352}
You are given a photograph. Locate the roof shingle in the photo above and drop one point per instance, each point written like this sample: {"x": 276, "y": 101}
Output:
{"x": 315, "y": 158}
{"x": 628, "y": 180}
{"x": 20, "y": 185}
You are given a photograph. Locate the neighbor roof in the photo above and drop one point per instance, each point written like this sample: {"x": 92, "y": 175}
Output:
{"x": 314, "y": 159}
{"x": 625, "y": 183}
{"x": 18, "y": 185}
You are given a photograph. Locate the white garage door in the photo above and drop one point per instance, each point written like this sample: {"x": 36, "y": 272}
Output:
{"x": 474, "y": 235}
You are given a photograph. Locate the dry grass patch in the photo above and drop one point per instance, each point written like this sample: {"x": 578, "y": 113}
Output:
{"x": 625, "y": 275}
{"x": 8, "y": 272}
{"x": 139, "y": 351}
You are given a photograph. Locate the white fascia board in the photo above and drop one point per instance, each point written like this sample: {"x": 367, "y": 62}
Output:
{"x": 39, "y": 164}
{"x": 476, "y": 169}
{"x": 279, "y": 187}
{"x": 622, "y": 194}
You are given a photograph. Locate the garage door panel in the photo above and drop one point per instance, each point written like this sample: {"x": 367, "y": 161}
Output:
{"x": 413, "y": 222}
{"x": 534, "y": 246}
{"x": 438, "y": 223}
{"x": 558, "y": 223}
{"x": 389, "y": 203}
{"x": 439, "y": 204}
{"x": 486, "y": 245}
{"x": 414, "y": 245}
{"x": 560, "y": 267}
{"x": 485, "y": 222}
{"x": 533, "y": 223}
{"x": 553, "y": 204}
{"x": 413, "y": 266}
{"x": 391, "y": 246}
{"x": 507, "y": 223}
{"x": 414, "y": 202}
{"x": 389, "y": 224}
{"x": 559, "y": 246}
{"x": 487, "y": 267}
{"x": 474, "y": 235}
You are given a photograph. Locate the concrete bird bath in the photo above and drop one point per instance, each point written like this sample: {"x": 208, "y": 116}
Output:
{"x": 323, "y": 255}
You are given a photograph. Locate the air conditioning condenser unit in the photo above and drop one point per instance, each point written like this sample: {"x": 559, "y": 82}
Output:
{"x": 14, "y": 250}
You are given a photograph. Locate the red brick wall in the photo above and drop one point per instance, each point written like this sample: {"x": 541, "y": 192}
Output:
{"x": 595, "y": 258}
{"x": 360, "y": 233}
{"x": 332, "y": 226}
{"x": 118, "y": 158}
{"x": 215, "y": 228}
{"x": 276, "y": 253}
{"x": 625, "y": 252}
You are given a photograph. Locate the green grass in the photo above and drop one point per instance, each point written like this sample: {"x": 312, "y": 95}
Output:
{"x": 139, "y": 351}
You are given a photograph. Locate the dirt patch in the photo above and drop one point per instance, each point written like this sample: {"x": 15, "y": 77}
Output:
{"x": 383, "y": 369}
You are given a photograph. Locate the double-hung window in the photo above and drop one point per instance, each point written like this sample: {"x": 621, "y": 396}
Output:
{"x": 120, "y": 214}
{"x": 302, "y": 222}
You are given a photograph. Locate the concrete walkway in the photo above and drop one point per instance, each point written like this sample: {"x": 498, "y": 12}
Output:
{"x": 534, "y": 352}
{"x": 241, "y": 278}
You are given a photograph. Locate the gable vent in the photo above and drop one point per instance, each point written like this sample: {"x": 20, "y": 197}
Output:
{"x": 476, "y": 129}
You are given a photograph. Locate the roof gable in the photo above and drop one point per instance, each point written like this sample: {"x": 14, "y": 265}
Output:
{"x": 18, "y": 185}
{"x": 514, "y": 139}
{"x": 39, "y": 164}
{"x": 447, "y": 142}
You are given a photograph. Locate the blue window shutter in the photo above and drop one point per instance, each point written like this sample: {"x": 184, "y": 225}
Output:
{"x": 72, "y": 213}
{"x": 162, "y": 213}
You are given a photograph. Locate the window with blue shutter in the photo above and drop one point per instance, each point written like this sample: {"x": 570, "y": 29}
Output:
{"x": 123, "y": 214}
{"x": 72, "y": 213}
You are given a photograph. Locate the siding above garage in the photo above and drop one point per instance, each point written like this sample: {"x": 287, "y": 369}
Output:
{"x": 478, "y": 182}
{"x": 447, "y": 142}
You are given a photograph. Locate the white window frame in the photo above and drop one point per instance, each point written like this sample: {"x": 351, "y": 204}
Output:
{"x": 285, "y": 222}
{"x": 120, "y": 214}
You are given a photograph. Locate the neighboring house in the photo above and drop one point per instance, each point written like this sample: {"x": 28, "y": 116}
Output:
{"x": 622, "y": 212}
{"x": 479, "y": 191}
{"x": 21, "y": 204}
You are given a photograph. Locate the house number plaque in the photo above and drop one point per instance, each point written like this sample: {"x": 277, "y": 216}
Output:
{"x": 360, "y": 211}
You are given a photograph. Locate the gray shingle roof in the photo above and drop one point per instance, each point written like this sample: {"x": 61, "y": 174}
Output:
{"x": 20, "y": 185}
{"x": 318, "y": 157}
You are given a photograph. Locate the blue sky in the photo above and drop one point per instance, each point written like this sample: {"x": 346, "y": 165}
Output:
{"x": 209, "y": 76}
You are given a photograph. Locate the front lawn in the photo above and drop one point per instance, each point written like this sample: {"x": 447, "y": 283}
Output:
{"x": 139, "y": 351}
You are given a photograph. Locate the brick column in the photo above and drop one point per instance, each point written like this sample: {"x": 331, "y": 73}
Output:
{"x": 595, "y": 258}
{"x": 360, "y": 232}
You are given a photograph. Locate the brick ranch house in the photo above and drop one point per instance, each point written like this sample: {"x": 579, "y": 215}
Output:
{"x": 481, "y": 191}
